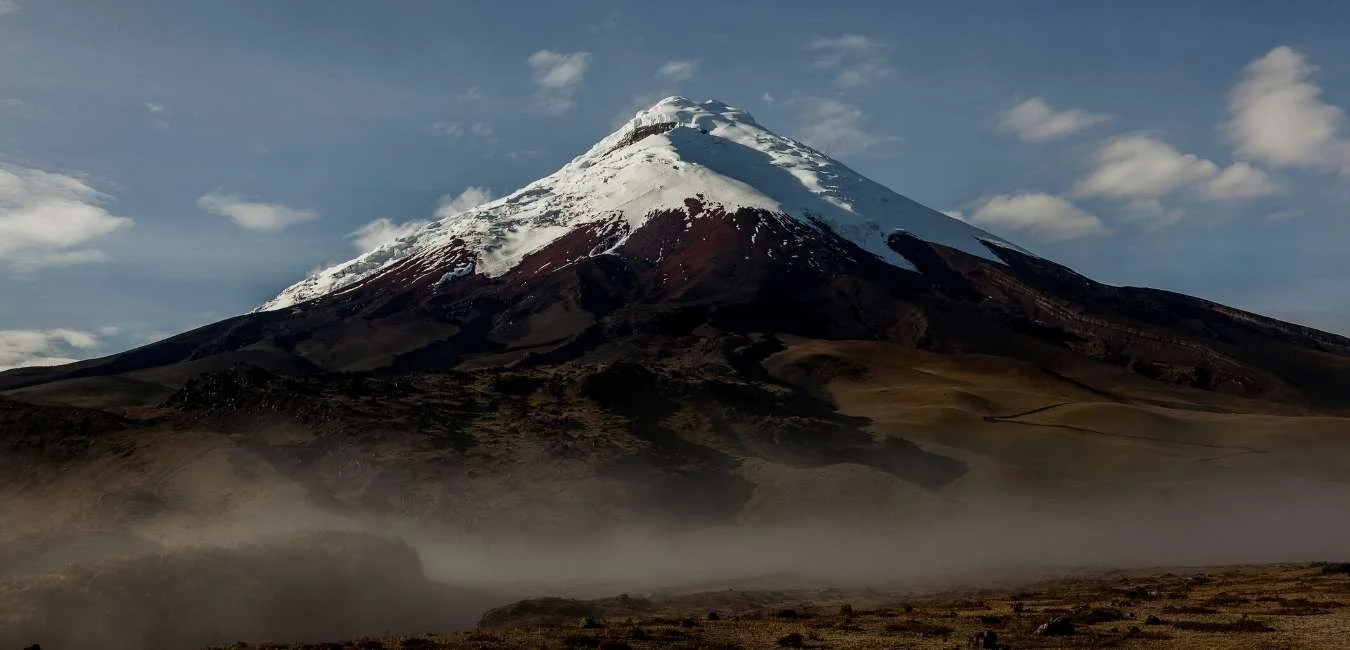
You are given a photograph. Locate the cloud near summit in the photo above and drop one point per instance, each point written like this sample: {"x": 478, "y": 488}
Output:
{"x": 384, "y": 230}
{"x": 254, "y": 215}
{"x": 854, "y": 59}
{"x": 838, "y": 129}
{"x": 674, "y": 71}
{"x": 557, "y": 74}
{"x": 1045, "y": 216}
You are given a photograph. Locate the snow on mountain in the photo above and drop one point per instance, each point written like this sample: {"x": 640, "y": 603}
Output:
{"x": 675, "y": 150}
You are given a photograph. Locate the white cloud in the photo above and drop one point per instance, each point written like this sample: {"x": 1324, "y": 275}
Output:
{"x": 23, "y": 348}
{"x": 557, "y": 75}
{"x": 554, "y": 103}
{"x": 8, "y": 7}
{"x": 855, "y": 59}
{"x": 471, "y": 197}
{"x": 1034, "y": 120}
{"x": 1238, "y": 181}
{"x": 456, "y": 130}
{"x": 470, "y": 96}
{"x": 382, "y": 231}
{"x": 610, "y": 23}
{"x": 48, "y": 219}
{"x": 554, "y": 70}
{"x": 1276, "y": 115}
{"x": 838, "y": 129}
{"x": 64, "y": 258}
{"x": 10, "y": 106}
{"x": 1142, "y": 169}
{"x": 448, "y": 129}
{"x": 768, "y": 99}
{"x": 1284, "y": 215}
{"x": 673, "y": 71}
{"x": 252, "y": 215}
{"x": 154, "y": 108}
{"x": 1049, "y": 217}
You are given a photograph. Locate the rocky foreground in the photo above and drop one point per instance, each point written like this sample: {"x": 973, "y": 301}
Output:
{"x": 1282, "y": 606}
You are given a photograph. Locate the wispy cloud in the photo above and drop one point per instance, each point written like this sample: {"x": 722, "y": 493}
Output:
{"x": 1276, "y": 115}
{"x": 24, "y": 348}
{"x": 254, "y": 215}
{"x": 154, "y": 108}
{"x": 1034, "y": 120}
{"x": 837, "y": 128}
{"x": 606, "y": 25}
{"x": 382, "y": 231}
{"x": 49, "y": 219}
{"x": 1045, "y": 216}
{"x": 457, "y": 130}
{"x": 471, "y": 95}
{"x": 472, "y": 197}
{"x": 555, "y": 70}
{"x": 675, "y": 71}
{"x": 448, "y": 129}
{"x": 855, "y": 60}
{"x": 9, "y": 7}
{"x": 1284, "y": 215}
{"x": 557, "y": 75}
{"x": 11, "y": 107}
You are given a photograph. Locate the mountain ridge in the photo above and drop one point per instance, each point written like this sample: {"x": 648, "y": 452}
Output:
{"x": 693, "y": 215}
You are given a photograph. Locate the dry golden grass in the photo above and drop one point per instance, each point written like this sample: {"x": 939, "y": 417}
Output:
{"x": 1285, "y": 606}
{"x": 1021, "y": 427}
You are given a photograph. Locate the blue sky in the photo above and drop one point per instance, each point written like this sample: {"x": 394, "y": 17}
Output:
{"x": 165, "y": 164}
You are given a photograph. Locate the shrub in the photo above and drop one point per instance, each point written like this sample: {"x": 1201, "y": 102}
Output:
{"x": 1334, "y": 568}
{"x": 1240, "y": 625}
{"x": 921, "y": 628}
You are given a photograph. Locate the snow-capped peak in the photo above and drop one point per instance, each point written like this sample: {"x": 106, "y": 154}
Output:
{"x": 675, "y": 150}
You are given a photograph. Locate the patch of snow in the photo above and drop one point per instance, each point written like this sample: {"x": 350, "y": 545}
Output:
{"x": 716, "y": 152}
{"x": 463, "y": 269}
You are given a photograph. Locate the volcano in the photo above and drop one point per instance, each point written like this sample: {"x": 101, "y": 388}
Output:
{"x": 683, "y": 320}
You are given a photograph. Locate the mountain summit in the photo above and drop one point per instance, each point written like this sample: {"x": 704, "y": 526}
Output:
{"x": 676, "y": 152}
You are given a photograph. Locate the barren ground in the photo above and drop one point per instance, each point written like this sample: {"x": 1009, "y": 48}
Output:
{"x": 1273, "y": 606}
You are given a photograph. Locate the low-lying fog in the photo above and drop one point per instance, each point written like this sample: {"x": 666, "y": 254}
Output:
{"x": 333, "y": 585}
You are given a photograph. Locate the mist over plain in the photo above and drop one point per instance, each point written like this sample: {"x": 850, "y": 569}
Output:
{"x": 290, "y": 571}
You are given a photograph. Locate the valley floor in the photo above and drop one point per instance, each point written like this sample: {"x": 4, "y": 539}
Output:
{"x": 1273, "y": 606}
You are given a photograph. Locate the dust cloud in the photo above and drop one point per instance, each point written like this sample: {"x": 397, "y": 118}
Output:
{"x": 992, "y": 538}
{"x": 293, "y": 572}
